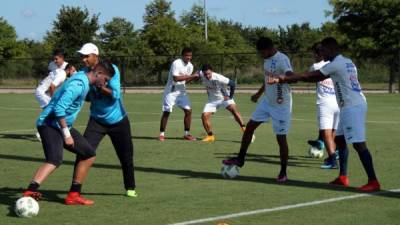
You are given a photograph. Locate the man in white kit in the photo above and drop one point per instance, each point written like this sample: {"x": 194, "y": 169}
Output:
{"x": 175, "y": 93}
{"x": 218, "y": 96}
{"x": 276, "y": 105}
{"x": 327, "y": 110}
{"x": 353, "y": 110}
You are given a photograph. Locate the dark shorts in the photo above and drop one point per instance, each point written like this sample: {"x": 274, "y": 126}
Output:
{"x": 53, "y": 145}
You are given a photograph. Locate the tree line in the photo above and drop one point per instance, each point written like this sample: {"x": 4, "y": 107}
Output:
{"x": 368, "y": 30}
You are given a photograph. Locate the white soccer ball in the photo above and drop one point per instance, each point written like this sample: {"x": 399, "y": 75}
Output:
{"x": 26, "y": 207}
{"x": 229, "y": 171}
{"x": 316, "y": 153}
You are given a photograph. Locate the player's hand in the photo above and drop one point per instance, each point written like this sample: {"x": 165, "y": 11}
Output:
{"x": 69, "y": 141}
{"x": 255, "y": 97}
{"x": 273, "y": 79}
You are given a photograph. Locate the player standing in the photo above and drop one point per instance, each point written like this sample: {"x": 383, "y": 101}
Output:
{"x": 327, "y": 110}
{"x": 217, "y": 96}
{"x": 276, "y": 105}
{"x": 55, "y": 127}
{"x": 353, "y": 110}
{"x": 175, "y": 93}
{"x": 108, "y": 117}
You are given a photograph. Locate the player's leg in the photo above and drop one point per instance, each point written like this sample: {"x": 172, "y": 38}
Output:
{"x": 260, "y": 115}
{"x": 341, "y": 145}
{"x": 366, "y": 160}
{"x": 52, "y": 142}
{"x": 205, "y": 118}
{"x": 283, "y": 155}
{"x": 231, "y": 107}
{"x": 169, "y": 100}
{"x": 121, "y": 139}
{"x": 328, "y": 135}
{"x": 183, "y": 102}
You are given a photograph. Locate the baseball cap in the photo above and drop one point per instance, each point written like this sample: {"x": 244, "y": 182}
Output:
{"x": 89, "y": 48}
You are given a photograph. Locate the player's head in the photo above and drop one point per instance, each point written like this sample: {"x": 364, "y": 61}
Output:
{"x": 265, "y": 47}
{"x": 207, "y": 71}
{"x": 58, "y": 57}
{"x": 316, "y": 49}
{"x": 187, "y": 54}
{"x": 103, "y": 72}
{"x": 329, "y": 48}
{"x": 70, "y": 69}
{"x": 89, "y": 54}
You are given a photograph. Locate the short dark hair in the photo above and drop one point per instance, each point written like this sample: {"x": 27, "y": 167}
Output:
{"x": 186, "y": 50}
{"x": 59, "y": 52}
{"x": 316, "y": 48}
{"x": 107, "y": 66}
{"x": 206, "y": 67}
{"x": 68, "y": 66}
{"x": 264, "y": 43}
{"x": 330, "y": 42}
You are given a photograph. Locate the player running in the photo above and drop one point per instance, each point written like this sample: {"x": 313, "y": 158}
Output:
{"x": 175, "y": 93}
{"x": 353, "y": 109}
{"x": 276, "y": 105}
{"x": 108, "y": 117}
{"x": 327, "y": 110}
{"x": 55, "y": 127}
{"x": 217, "y": 96}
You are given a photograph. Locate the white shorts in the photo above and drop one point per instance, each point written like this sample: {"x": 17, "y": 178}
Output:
{"x": 181, "y": 99}
{"x": 280, "y": 115}
{"x": 42, "y": 98}
{"x": 352, "y": 123}
{"x": 328, "y": 116}
{"x": 214, "y": 105}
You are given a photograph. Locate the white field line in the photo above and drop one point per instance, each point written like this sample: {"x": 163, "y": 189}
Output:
{"x": 281, "y": 208}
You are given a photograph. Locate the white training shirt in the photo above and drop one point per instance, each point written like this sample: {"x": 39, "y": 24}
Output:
{"x": 325, "y": 88}
{"x": 344, "y": 75}
{"x": 53, "y": 66}
{"x": 277, "y": 94}
{"x": 55, "y": 77}
{"x": 178, "y": 68}
{"x": 214, "y": 86}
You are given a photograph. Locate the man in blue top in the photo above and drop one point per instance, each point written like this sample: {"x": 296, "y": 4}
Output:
{"x": 55, "y": 127}
{"x": 108, "y": 117}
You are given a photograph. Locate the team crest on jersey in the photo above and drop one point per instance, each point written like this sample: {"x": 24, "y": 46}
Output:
{"x": 355, "y": 85}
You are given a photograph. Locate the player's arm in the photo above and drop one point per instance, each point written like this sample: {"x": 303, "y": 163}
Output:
{"x": 257, "y": 95}
{"x": 113, "y": 87}
{"x": 313, "y": 75}
{"x": 232, "y": 87}
{"x": 65, "y": 131}
{"x": 187, "y": 78}
{"x": 60, "y": 76}
{"x": 52, "y": 89}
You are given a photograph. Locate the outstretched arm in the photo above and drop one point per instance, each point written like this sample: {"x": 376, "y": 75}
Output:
{"x": 308, "y": 76}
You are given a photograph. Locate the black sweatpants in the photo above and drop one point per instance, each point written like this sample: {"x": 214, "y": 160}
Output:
{"x": 53, "y": 144}
{"x": 121, "y": 138}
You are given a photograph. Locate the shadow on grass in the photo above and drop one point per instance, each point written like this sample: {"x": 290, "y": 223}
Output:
{"x": 187, "y": 174}
{"x": 28, "y": 137}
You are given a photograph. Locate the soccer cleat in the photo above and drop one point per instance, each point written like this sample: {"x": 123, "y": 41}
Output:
{"x": 329, "y": 163}
{"x": 317, "y": 144}
{"x": 189, "y": 137}
{"x": 371, "y": 186}
{"x": 209, "y": 138}
{"x": 161, "y": 138}
{"x": 341, "y": 180}
{"x": 33, "y": 194}
{"x": 131, "y": 193}
{"x": 233, "y": 161}
{"x": 281, "y": 178}
{"x": 75, "y": 198}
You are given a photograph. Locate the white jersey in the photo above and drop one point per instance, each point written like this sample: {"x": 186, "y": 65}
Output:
{"x": 344, "y": 75}
{"x": 216, "y": 86}
{"x": 53, "y": 66}
{"x": 178, "y": 68}
{"x": 55, "y": 77}
{"x": 325, "y": 88}
{"x": 277, "y": 94}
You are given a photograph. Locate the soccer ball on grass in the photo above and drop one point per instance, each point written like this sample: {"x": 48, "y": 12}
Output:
{"x": 229, "y": 171}
{"x": 26, "y": 207}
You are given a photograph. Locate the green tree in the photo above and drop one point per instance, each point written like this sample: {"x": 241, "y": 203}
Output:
{"x": 9, "y": 47}
{"x": 72, "y": 28}
{"x": 373, "y": 27}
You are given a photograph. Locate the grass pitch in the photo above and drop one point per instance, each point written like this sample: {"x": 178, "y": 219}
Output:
{"x": 179, "y": 181}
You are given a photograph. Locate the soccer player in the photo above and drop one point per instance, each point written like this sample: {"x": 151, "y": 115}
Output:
{"x": 108, "y": 117}
{"x": 353, "y": 109}
{"x": 175, "y": 93}
{"x": 327, "y": 110}
{"x": 276, "y": 105}
{"x": 55, "y": 127}
{"x": 217, "y": 96}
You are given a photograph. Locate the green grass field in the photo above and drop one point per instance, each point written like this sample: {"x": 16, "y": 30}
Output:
{"x": 179, "y": 181}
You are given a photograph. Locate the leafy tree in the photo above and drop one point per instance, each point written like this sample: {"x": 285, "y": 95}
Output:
{"x": 372, "y": 26}
{"x": 9, "y": 47}
{"x": 72, "y": 28}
